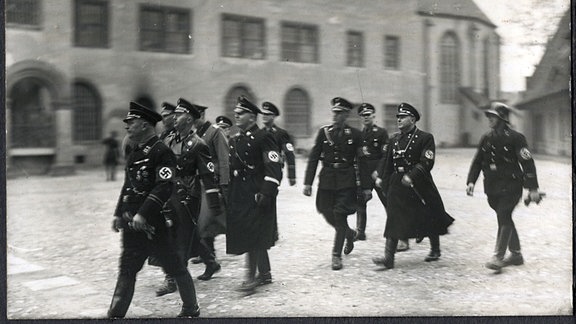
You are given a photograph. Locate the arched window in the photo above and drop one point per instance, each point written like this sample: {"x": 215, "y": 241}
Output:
{"x": 232, "y": 98}
{"x": 449, "y": 68}
{"x": 297, "y": 113}
{"x": 87, "y": 113}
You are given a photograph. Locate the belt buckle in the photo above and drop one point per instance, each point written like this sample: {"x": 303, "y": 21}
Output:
{"x": 401, "y": 169}
{"x": 235, "y": 173}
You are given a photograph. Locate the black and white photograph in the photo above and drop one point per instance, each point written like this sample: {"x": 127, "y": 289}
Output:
{"x": 288, "y": 159}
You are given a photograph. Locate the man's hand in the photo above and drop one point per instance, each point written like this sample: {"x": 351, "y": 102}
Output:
{"x": 470, "y": 189}
{"x": 139, "y": 223}
{"x": 407, "y": 181}
{"x": 292, "y": 181}
{"x": 117, "y": 224}
{"x": 378, "y": 182}
{"x": 374, "y": 175}
{"x": 367, "y": 194}
{"x": 262, "y": 200}
{"x": 307, "y": 190}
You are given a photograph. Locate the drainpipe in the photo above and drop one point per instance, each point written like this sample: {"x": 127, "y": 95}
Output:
{"x": 426, "y": 64}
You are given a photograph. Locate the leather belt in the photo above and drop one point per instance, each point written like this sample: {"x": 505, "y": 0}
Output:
{"x": 337, "y": 165}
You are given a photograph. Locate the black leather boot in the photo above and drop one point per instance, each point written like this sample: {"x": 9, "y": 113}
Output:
{"x": 168, "y": 286}
{"x": 497, "y": 262}
{"x": 190, "y": 306}
{"x": 211, "y": 268}
{"x": 360, "y": 224}
{"x": 434, "y": 254}
{"x": 515, "y": 256}
{"x": 389, "y": 250}
{"x": 122, "y": 296}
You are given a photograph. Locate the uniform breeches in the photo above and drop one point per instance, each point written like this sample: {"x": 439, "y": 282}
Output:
{"x": 136, "y": 247}
{"x": 336, "y": 202}
{"x": 504, "y": 205}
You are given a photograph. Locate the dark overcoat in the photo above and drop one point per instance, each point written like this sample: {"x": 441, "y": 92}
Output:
{"x": 255, "y": 168}
{"x": 416, "y": 211}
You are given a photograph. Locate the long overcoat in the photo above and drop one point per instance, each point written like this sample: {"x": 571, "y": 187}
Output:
{"x": 255, "y": 167}
{"x": 416, "y": 211}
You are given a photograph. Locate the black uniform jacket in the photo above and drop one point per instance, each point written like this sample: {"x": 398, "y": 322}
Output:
{"x": 506, "y": 163}
{"x": 374, "y": 144}
{"x": 194, "y": 164}
{"x": 148, "y": 181}
{"x": 286, "y": 146}
{"x": 418, "y": 211}
{"x": 255, "y": 168}
{"x": 338, "y": 150}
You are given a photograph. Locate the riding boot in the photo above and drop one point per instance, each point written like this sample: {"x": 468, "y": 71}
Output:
{"x": 187, "y": 291}
{"x": 515, "y": 256}
{"x": 504, "y": 233}
{"x": 389, "y": 250}
{"x": 122, "y": 296}
{"x": 168, "y": 286}
{"x": 209, "y": 260}
{"x": 360, "y": 224}
{"x": 434, "y": 248}
{"x": 249, "y": 286}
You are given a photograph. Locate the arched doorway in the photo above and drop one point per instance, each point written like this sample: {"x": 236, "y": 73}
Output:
{"x": 32, "y": 116}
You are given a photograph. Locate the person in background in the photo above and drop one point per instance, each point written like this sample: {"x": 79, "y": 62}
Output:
{"x": 338, "y": 146}
{"x": 148, "y": 184}
{"x": 168, "y": 119}
{"x": 282, "y": 137}
{"x": 255, "y": 176}
{"x": 507, "y": 165}
{"x": 415, "y": 208}
{"x": 224, "y": 123}
{"x": 111, "y": 155}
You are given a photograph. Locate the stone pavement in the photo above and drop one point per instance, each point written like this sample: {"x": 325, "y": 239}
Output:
{"x": 63, "y": 257}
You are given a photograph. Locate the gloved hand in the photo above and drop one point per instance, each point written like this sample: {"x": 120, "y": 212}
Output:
{"x": 470, "y": 189}
{"x": 262, "y": 200}
{"x": 117, "y": 224}
{"x": 534, "y": 196}
{"x": 307, "y": 190}
{"x": 292, "y": 181}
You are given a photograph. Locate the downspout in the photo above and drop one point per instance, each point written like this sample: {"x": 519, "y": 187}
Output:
{"x": 426, "y": 64}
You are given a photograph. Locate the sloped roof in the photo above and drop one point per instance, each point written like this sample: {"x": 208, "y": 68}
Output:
{"x": 453, "y": 8}
{"x": 552, "y": 74}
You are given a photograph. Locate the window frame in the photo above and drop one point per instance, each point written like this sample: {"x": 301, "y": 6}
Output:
{"x": 450, "y": 69}
{"x": 37, "y": 16}
{"x": 245, "y": 51}
{"x": 300, "y": 27}
{"x": 164, "y": 33}
{"x": 102, "y": 43}
{"x": 392, "y": 52}
{"x": 79, "y": 126}
{"x": 351, "y": 49}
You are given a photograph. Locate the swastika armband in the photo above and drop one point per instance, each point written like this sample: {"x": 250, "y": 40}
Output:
{"x": 429, "y": 155}
{"x": 164, "y": 173}
{"x": 272, "y": 156}
{"x": 525, "y": 154}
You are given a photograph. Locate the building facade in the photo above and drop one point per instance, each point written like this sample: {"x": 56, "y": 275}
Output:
{"x": 72, "y": 66}
{"x": 546, "y": 102}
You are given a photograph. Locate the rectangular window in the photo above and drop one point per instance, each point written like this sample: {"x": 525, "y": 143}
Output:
{"x": 23, "y": 13}
{"x": 299, "y": 43}
{"x": 243, "y": 37}
{"x": 389, "y": 116}
{"x": 91, "y": 23}
{"x": 165, "y": 29}
{"x": 355, "y": 50}
{"x": 392, "y": 52}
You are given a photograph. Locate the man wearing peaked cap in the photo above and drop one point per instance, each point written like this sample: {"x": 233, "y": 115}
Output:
{"x": 337, "y": 146}
{"x": 508, "y": 167}
{"x": 223, "y": 122}
{"x": 282, "y": 137}
{"x": 168, "y": 119}
{"x": 415, "y": 208}
{"x": 341, "y": 104}
{"x": 184, "y": 106}
{"x": 138, "y": 111}
{"x": 167, "y": 109}
{"x": 405, "y": 109}
{"x": 150, "y": 169}
{"x": 244, "y": 105}
{"x": 211, "y": 225}
{"x": 251, "y": 219}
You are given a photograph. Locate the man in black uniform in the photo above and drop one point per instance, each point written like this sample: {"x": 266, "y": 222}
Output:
{"x": 148, "y": 184}
{"x": 415, "y": 208}
{"x": 338, "y": 146}
{"x": 224, "y": 123}
{"x": 507, "y": 165}
{"x": 168, "y": 120}
{"x": 374, "y": 140}
{"x": 284, "y": 140}
{"x": 255, "y": 175}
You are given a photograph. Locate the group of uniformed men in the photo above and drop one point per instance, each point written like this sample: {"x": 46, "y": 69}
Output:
{"x": 192, "y": 183}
